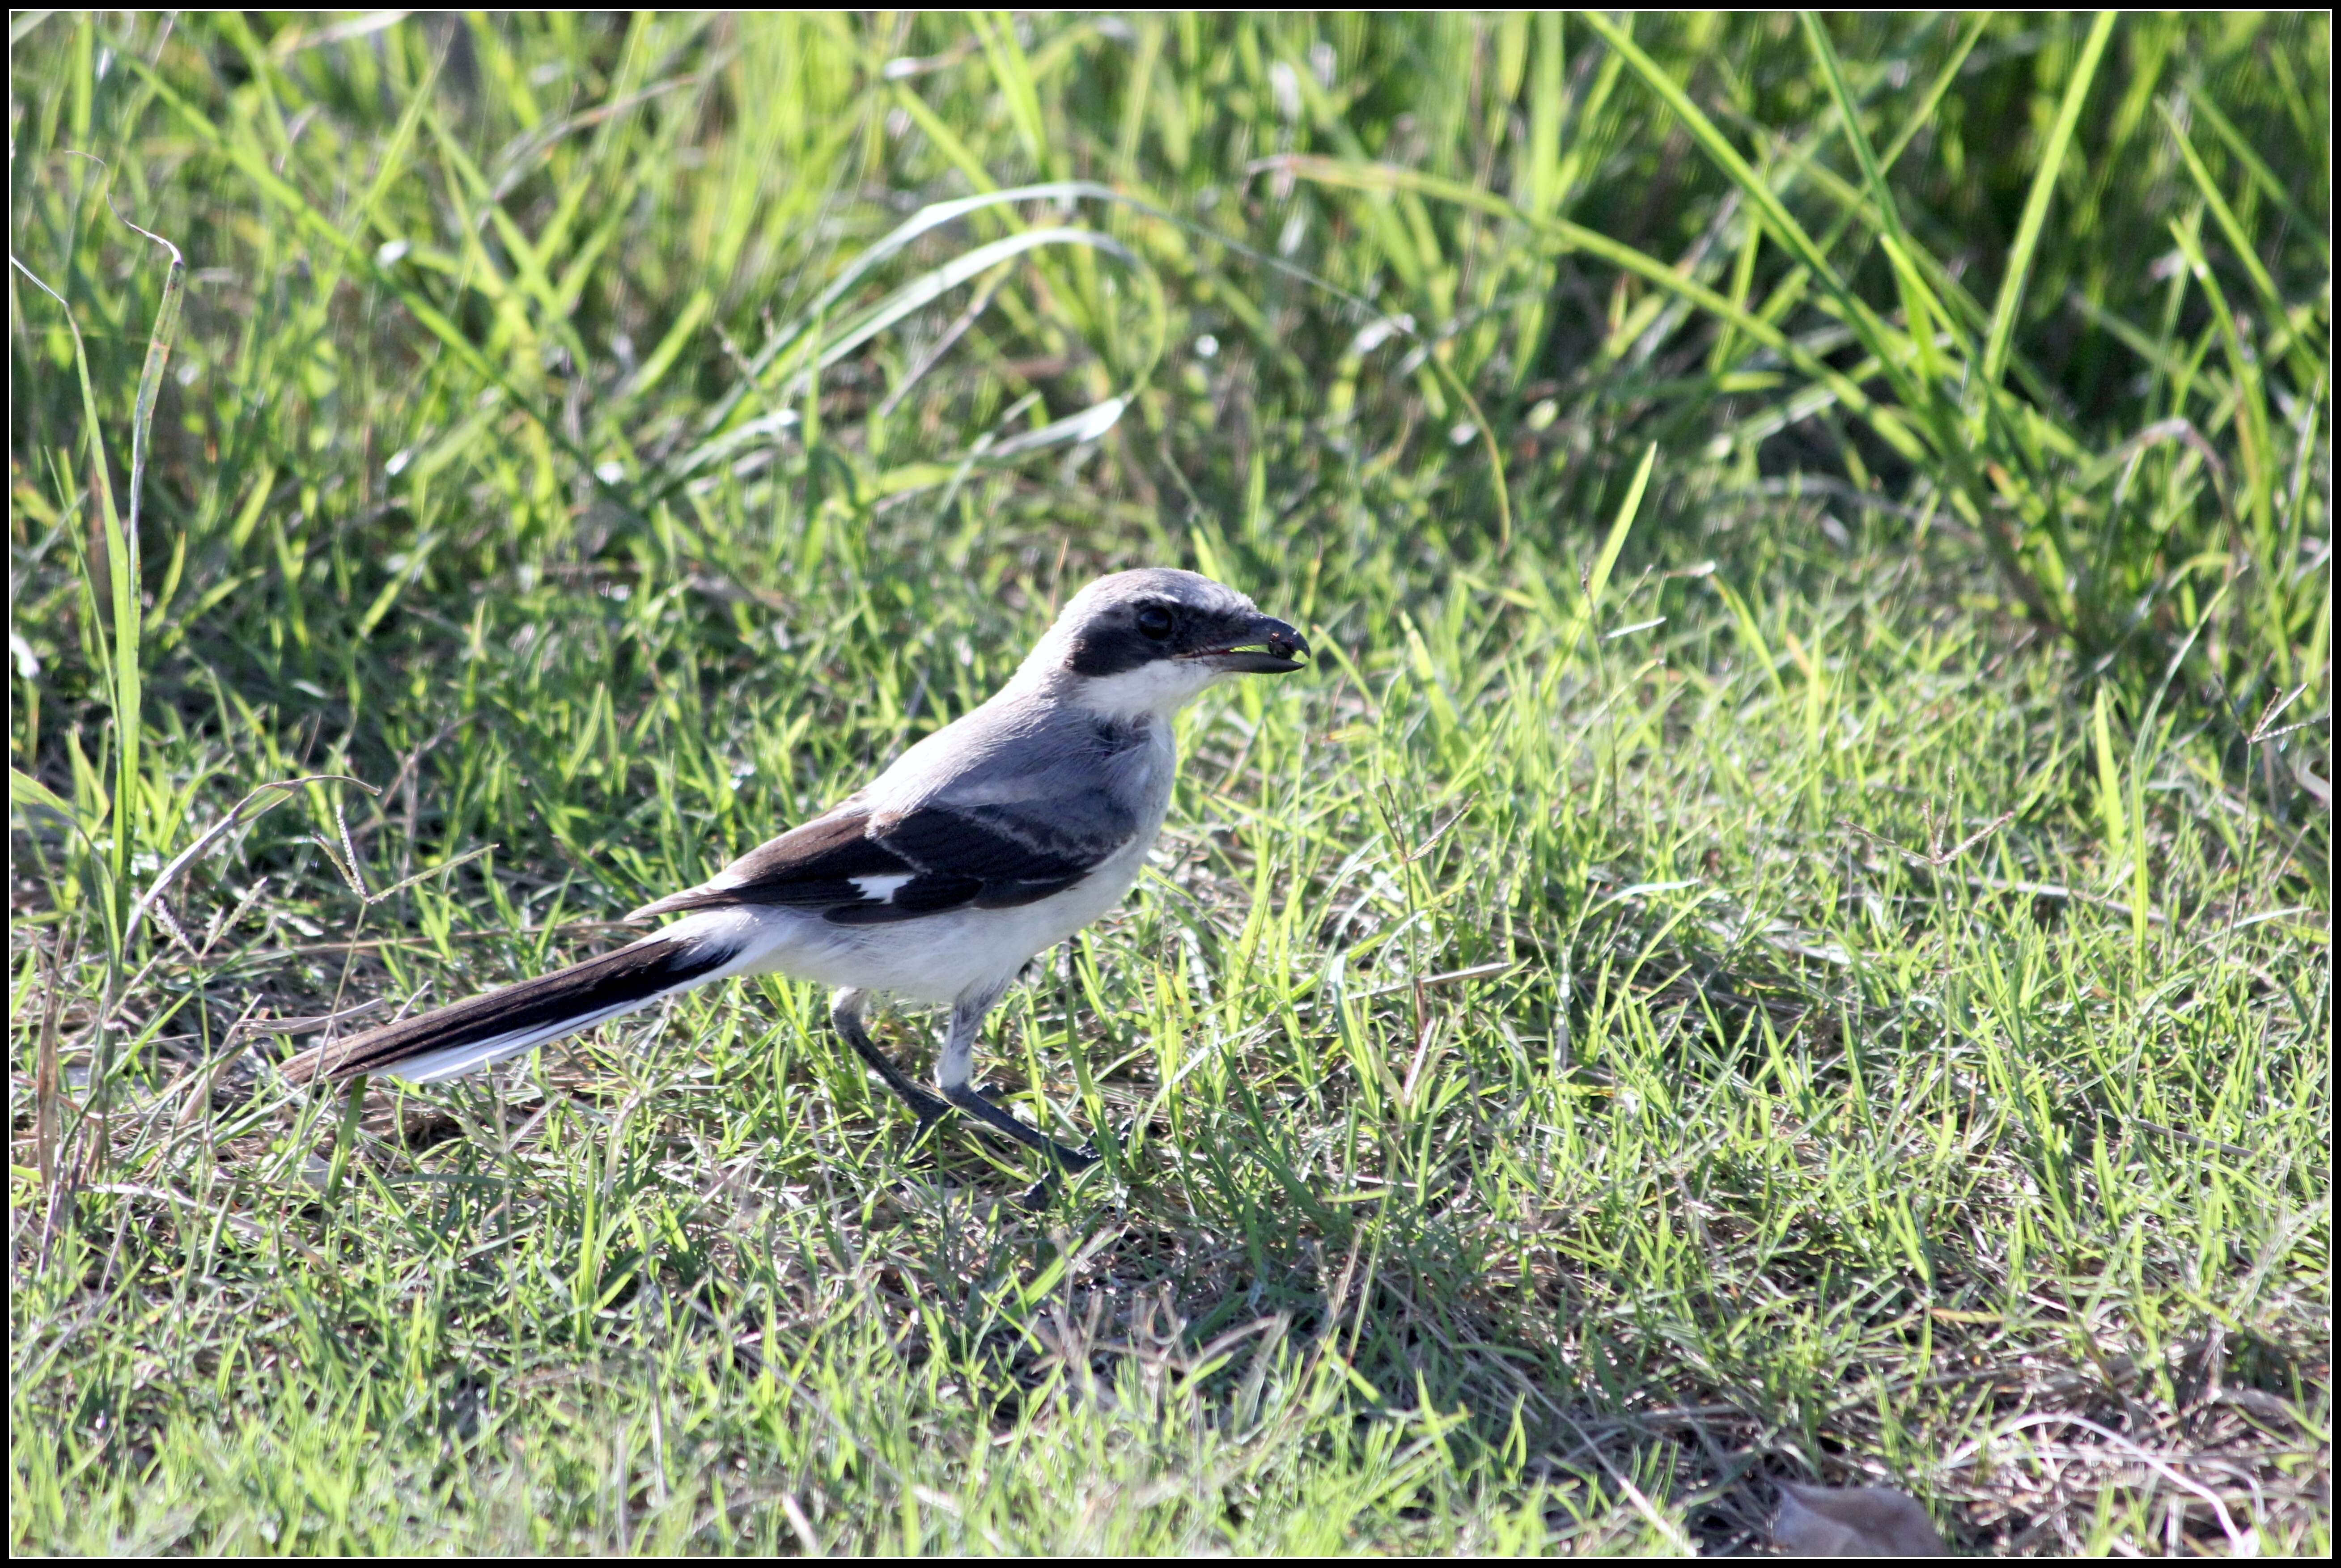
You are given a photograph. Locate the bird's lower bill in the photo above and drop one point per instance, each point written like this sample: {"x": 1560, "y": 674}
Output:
{"x": 1248, "y": 661}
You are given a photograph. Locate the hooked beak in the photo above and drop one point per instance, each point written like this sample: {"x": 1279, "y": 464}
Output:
{"x": 1269, "y": 646}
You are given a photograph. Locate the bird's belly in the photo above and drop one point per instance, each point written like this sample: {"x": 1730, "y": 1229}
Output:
{"x": 936, "y": 958}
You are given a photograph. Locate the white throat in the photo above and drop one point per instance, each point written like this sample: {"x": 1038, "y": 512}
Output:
{"x": 1155, "y": 691}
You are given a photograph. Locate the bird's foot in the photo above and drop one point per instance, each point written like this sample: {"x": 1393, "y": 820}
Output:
{"x": 968, "y": 1098}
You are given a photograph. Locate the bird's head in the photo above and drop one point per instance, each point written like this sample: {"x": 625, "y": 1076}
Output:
{"x": 1147, "y": 641}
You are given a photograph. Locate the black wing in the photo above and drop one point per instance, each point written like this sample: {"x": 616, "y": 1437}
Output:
{"x": 863, "y": 868}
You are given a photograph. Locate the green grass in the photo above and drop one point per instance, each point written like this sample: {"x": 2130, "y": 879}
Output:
{"x": 1786, "y": 935}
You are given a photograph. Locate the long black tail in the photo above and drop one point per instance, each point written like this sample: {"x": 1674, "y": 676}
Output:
{"x": 472, "y": 1033}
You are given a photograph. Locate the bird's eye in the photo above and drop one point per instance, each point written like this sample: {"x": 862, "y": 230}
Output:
{"x": 1154, "y": 621}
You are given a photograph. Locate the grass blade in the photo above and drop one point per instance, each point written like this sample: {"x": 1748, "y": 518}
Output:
{"x": 1919, "y": 309}
{"x": 2036, "y": 205}
{"x": 2304, "y": 362}
{"x": 123, "y": 599}
{"x": 2262, "y": 175}
{"x": 1595, "y": 580}
{"x": 1760, "y": 196}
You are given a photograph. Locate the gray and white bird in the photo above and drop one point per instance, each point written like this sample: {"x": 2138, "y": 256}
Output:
{"x": 990, "y": 841}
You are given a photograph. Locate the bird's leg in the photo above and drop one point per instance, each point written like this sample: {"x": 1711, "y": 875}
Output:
{"x": 957, "y": 1062}
{"x": 846, "y": 1011}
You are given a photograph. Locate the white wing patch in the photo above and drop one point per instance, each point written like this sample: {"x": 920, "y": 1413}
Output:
{"x": 879, "y": 888}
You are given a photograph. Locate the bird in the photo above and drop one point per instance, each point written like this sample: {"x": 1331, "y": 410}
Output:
{"x": 987, "y": 842}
